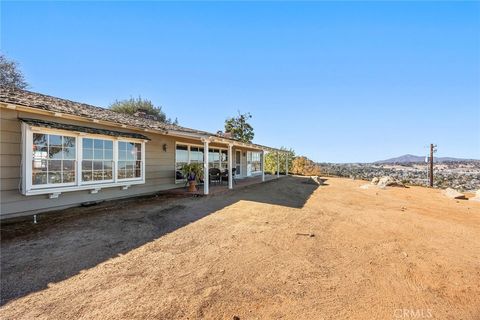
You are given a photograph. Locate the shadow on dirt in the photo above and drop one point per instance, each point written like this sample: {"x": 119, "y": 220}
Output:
{"x": 65, "y": 242}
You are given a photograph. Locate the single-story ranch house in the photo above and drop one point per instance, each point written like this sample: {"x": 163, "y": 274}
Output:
{"x": 57, "y": 153}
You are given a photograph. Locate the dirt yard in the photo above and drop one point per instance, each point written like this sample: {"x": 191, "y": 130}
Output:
{"x": 248, "y": 254}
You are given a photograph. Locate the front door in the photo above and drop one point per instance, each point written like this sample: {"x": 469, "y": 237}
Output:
{"x": 238, "y": 163}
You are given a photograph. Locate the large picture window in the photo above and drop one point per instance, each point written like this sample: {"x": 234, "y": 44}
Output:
{"x": 59, "y": 160}
{"x": 254, "y": 159}
{"x": 185, "y": 154}
{"x": 53, "y": 159}
{"x": 196, "y": 155}
{"x": 214, "y": 158}
{"x": 218, "y": 158}
{"x": 97, "y": 163}
{"x": 129, "y": 160}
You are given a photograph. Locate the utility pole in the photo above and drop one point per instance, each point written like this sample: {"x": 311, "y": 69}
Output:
{"x": 433, "y": 148}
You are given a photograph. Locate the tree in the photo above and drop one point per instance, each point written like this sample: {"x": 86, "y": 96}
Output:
{"x": 271, "y": 160}
{"x": 10, "y": 74}
{"x": 239, "y": 128}
{"x": 134, "y": 106}
{"x": 306, "y": 167}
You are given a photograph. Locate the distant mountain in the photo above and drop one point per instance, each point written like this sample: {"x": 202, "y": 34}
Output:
{"x": 407, "y": 158}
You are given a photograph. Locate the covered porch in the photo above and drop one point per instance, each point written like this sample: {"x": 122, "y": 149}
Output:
{"x": 240, "y": 164}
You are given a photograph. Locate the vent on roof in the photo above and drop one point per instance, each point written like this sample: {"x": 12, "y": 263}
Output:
{"x": 227, "y": 135}
{"x": 143, "y": 114}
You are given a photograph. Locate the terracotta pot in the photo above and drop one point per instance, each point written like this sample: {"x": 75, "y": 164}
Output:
{"x": 192, "y": 186}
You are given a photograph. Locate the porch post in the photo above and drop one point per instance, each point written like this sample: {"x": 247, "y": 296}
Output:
{"x": 278, "y": 164}
{"x": 286, "y": 164}
{"x": 205, "y": 166}
{"x": 230, "y": 160}
{"x": 263, "y": 165}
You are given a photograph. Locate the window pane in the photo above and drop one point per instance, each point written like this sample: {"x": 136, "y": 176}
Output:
{"x": 122, "y": 146}
{"x": 55, "y": 148}
{"x": 69, "y": 153}
{"x": 55, "y": 165}
{"x": 98, "y": 154}
{"x": 98, "y": 144}
{"x": 87, "y": 143}
{"x": 107, "y": 175}
{"x": 131, "y": 151}
{"x": 55, "y": 152}
{"x": 98, "y": 165}
{"x": 68, "y": 142}
{"x": 138, "y": 169}
{"x": 181, "y": 154}
{"x": 129, "y": 172}
{"x": 40, "y": 153}
{"x": 87, "y": 153}
{"x": 40, "y": 139}
{"x": 39, "y": 178}
{"x": 55, "y": 140}
{"x": 121, "y": 155}
{"x": 138, "y": 148}
{"x": 39, "y": 164}
{"x": 108, "y": 144}
{"x": 87, "y": 176}
{"x": 54, "y": 177}
{"x": 108, "y": 165}
{"x": 68, "y": 165}
{"x": 68, "y": 176}
{"x": 102, "y": 150}
{"x": 108, "y": 155}
{"x": 121, "y": 165}
{"x": 97, "y": 175}
{"x": 87, "y": 165}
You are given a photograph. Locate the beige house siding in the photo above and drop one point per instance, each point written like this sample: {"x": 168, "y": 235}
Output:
{"x": 159, "y": 170}
{"x": 159, "y": 167}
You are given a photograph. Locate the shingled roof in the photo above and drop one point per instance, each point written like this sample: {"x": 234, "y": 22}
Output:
{"x": 48, "y": 103}
{"x": 53, "y": 104}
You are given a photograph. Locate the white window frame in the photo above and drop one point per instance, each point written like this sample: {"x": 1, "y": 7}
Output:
{"x": 94, "y": 186}
{"x": 30, "y": 161}
{"x": 250, "y": 161}
{"x": 239, "y": 174}
{"x": 115, "y": 152}
{"x": 79, "y": 168}
{"x": 189, "y": 145}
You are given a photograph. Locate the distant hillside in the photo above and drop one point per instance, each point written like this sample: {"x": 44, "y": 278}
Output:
{"x": 408, "y": 158}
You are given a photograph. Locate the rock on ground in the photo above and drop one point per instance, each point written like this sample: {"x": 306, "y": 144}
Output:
{"x": 388, "y": 181}
{"x": 453, "y": 194}
{"x": 477, "y": 196}
{"x": 317, "y": 180}
{"x": 375, "y": 180}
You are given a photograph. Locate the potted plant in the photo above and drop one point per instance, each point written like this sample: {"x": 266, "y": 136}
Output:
{"x": 192, "y": 172}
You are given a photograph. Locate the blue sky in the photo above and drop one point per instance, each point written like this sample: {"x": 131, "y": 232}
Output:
{"x": 338, "y": 82}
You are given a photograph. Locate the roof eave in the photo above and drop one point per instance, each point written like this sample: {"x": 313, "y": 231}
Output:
{"x": 175, "y": 133}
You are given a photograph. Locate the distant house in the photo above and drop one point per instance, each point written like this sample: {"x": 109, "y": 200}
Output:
{"x": 57, "y": 153}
